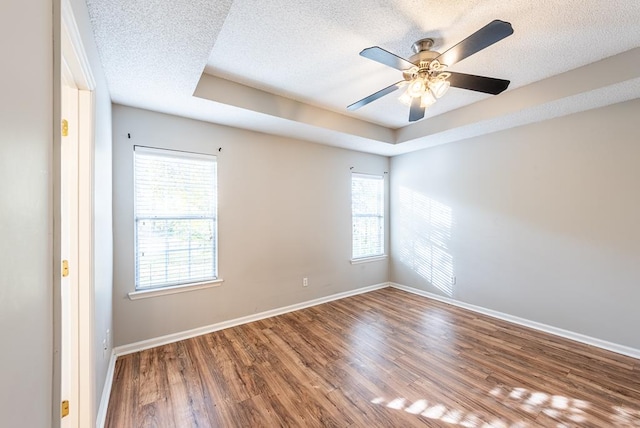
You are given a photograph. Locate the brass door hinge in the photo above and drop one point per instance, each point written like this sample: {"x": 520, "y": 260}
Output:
{"x": 65, "y": 128}
{"x": 65, "y": 268}
{"x": 64, "y": 408}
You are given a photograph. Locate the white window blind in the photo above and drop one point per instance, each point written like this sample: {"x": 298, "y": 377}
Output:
{"x": 367, "y": 212}
{"x": 175, "y": 217}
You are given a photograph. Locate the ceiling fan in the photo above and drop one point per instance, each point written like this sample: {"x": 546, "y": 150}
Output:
{"x": 424, "y": 72}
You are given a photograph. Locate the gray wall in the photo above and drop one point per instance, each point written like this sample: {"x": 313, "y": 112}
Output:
{"x": 103, "y": 240}
{"x": 29, "y": 121}
{"x": 284, "y": 213}
{"x": 26, "y": 285}
{"x": 539, "y": 222}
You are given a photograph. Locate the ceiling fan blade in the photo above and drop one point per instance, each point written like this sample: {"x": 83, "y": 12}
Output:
{"x": 416, "y": 112}
{"x": 376, "y": 95}
{"x": 387, "y": 58}
{"x": 488, "y": 85}
{"x": 486, "y": 36}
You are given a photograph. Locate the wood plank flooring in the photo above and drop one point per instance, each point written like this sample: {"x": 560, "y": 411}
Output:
{"x": 382, "y": 359}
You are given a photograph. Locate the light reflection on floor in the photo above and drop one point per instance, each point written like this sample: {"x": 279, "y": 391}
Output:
{"x": 563, "y": 410}
{"x": 367, "y": 338}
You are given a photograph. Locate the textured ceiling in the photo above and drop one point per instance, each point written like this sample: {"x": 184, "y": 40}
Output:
{"x": 291, "y": 68}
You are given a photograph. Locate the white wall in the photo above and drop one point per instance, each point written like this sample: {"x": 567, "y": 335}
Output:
{"x": 539, "y": 222}
{"x": 284, "y": 213}
{"x": 103, "y": 240}
{"x": 26, "y": 122}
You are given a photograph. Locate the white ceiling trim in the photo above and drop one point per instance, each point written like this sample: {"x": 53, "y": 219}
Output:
{"x": 602, "y": 83}
{"x": 245, "y": 97}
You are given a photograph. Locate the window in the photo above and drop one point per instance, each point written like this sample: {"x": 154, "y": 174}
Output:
{"x": 175, "y": 218}
{"x": 367, "y": 213}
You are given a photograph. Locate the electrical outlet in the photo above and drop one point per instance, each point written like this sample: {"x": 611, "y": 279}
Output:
{"x": 305, "y": 282}
{"x": 106, "y": 343}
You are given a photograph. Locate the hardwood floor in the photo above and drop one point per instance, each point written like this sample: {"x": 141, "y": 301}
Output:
{"x": 382, "y": 359}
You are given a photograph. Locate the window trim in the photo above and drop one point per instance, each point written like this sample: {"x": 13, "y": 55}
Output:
{"x": 145, "y": 293}
{"x": 368, "y": 259}
{"x": 383, "y": 254}
{"x": 173, "y": 287}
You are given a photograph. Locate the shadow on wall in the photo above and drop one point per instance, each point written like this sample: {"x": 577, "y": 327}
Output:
{"x": 424, "y": 239}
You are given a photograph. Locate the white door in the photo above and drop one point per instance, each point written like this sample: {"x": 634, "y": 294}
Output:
{"x": 69, "y": 247}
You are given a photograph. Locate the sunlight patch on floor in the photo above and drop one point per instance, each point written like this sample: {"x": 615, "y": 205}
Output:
{"x": 565, "y": 411}
{"x": 536, "y": 401}
{"x": 625, "y": 416}
{"x": 561, "y": 408}
{"x": 440, "y": 412}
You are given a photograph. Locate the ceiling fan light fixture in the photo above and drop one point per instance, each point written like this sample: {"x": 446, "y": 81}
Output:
{"x": 439, "y": 87}
{"x": 427, "y": 99}
{"x": 405, "y": 98}
{"x": 417, "y": 88}
{"x": 428, "y": 89}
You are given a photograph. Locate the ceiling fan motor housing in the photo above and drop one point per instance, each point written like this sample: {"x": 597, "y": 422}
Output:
{"x": 422, "y": 51}
{"x": 421, "y": 58}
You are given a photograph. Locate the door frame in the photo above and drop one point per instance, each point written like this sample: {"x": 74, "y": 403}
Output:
{"x": 69, "y": 240}
{"x": 73, "y": 54}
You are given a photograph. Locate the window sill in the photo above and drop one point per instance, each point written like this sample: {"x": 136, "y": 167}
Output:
{"x": 368, "y": 259}
{"x": 145, "y": 294}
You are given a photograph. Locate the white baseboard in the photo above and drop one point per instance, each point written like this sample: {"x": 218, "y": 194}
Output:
{"x": 106, "y": 392}
{"x": 588, "y": 340}
{"x": 175, "y": 337}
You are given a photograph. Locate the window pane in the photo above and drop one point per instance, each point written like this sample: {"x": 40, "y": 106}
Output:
{"x": 167, "y": 186}
{"x": 368, "y": 236}
{"x": 176, "y": 224}
{"x": 367, "y": 196}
